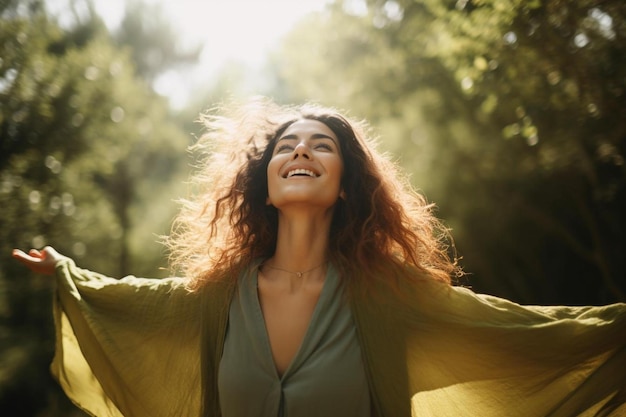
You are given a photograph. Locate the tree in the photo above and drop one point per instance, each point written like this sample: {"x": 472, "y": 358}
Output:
{"x": 89, "y": 156}
{"x": 154, "y": 44}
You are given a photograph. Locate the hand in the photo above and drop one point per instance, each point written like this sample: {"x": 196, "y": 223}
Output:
{"x": 41, "y": 262}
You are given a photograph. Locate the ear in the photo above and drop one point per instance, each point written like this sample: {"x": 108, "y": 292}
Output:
{"x": 342, "y": 194}
{"x": 268, "y": 202}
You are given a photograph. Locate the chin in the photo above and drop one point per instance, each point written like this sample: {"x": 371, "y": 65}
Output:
{"x": 295, "y": 202}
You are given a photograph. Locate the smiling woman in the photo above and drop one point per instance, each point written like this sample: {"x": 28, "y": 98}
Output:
{"x": 306, "y": 169}
{"x": 317, "y": 283}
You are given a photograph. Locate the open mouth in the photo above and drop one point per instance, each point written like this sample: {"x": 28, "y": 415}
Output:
{"x": 300, "y": 172}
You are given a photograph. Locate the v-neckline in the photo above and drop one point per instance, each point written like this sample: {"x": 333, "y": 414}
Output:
{"x": 297, "y": 357}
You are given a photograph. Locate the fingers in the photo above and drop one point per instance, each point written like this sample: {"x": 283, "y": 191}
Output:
{"x": 42, "y": 262}
{"x": 22, "y": 256}
{"x": 33, "y": 255}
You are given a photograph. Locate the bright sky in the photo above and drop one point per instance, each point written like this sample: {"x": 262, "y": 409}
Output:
{"x": 231, "y": 30}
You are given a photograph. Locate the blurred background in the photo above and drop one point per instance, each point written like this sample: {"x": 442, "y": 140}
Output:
{"x": 510, "y": 115}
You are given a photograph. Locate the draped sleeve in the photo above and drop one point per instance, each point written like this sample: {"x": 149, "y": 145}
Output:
{"x": 437, "y": 350}
{"x": 127, "y": 347}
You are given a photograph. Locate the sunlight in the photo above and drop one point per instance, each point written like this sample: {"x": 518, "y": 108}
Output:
{"x": 241, "y": 31}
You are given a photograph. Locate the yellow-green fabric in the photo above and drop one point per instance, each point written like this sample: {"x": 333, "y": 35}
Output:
{"x": 456, "y": 353}
{"x": 126, "y": 347}
{"x": 148, "y": 348}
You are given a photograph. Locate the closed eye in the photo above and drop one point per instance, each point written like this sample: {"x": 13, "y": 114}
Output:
{"x": 284, "y": 148}
{"x": 324, "y": 146}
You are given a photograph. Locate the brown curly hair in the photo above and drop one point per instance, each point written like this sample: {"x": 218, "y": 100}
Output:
{"x": 382, "y": 227}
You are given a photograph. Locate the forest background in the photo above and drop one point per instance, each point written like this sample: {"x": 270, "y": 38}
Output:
{"x": 510, "y": 115}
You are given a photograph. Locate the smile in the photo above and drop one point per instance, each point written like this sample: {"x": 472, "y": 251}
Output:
{"x": 301, "y": 172}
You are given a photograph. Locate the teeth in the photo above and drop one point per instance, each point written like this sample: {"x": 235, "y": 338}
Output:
{"x": 301, "y": 171}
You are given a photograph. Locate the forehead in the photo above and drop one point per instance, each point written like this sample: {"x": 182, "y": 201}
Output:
{"x": 308, "y": 127}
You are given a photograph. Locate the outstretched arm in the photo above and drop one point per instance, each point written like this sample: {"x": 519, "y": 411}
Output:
{"x": 41, "y": 262}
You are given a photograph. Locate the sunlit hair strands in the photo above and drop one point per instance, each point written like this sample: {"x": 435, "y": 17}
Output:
{"x": 381, "y": 228}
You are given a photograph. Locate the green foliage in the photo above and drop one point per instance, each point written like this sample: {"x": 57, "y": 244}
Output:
{"x": 508, "y": 113}
{"x": 89, "y": 161}
{"x": 79, "y": 133}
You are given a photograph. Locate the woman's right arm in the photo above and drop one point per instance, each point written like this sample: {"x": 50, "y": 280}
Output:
{"x": 41, "y": 262}
{"x": 128, "y": 346}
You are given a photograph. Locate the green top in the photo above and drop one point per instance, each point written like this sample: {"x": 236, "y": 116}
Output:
{"x": 325, "y": 378}
{"x": 148, "y": 348}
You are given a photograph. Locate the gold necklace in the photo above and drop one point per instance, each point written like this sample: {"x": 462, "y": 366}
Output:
{"x": 298, "y": 273}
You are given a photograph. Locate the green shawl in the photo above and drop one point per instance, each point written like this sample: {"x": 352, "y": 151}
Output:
{"x": 149, "y": 348}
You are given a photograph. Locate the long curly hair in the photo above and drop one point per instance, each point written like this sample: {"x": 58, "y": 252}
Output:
{"x": 383, "y": 227}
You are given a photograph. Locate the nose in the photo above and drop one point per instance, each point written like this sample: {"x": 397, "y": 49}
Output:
{"x": 301, "y": 150}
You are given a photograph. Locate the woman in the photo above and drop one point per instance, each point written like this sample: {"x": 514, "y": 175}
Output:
{"x": 318, "y": 285}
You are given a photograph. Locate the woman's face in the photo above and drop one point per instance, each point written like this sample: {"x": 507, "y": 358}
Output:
{"x": 306, "y": 167}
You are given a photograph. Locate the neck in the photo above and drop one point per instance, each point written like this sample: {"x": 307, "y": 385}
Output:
{"x": 302, "y": 242}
